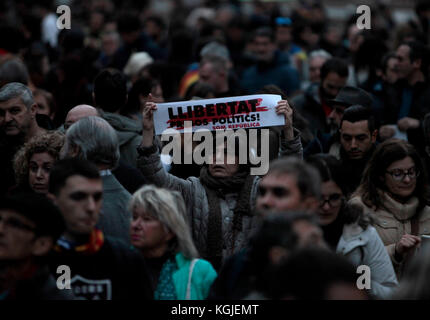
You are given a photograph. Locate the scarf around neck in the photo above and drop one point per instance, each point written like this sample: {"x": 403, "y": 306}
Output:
{"x": 217, "y": 188}
{"x": 401, "y": 211}
{"x": 94, "y": 244}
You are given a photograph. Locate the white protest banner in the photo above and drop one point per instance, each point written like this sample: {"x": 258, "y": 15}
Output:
{"x": 254, "y": 111}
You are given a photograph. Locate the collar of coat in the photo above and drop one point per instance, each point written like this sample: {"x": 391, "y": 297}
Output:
{"x": 401, "y": 211}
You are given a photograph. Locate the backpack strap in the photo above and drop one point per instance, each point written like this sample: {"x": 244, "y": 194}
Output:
{"x": 190, "y": 274}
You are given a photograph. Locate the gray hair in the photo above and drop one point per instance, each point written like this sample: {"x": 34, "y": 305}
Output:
{"x": 96, "y": 139}
{"x": 307, "y": 177}
{"x": 17, "y": 90}
{"x": 168, "y": 207}
{"x": 319, "y": 54}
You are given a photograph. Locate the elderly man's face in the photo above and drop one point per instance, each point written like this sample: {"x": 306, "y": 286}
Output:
{"x": 391, "y": 74}
{"x": 15, "y": 117}
{"x": 404, "y": 64}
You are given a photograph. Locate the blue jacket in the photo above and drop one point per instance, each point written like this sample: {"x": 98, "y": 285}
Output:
{"x": 278, "y": 72}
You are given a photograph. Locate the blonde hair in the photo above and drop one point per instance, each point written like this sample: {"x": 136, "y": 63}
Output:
{"x": 168, "y": 207}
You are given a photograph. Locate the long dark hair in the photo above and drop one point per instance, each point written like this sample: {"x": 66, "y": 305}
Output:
{"x": 385, "y": 154}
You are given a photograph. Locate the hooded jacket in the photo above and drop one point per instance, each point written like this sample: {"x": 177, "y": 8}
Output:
{"x": 129, "y": 133}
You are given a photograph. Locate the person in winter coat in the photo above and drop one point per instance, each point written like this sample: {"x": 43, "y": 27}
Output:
{"x": 346, "y": 228}
{"x": 29, "y": 226}
{"x": 219, "y": 202}
{"x": 394, "y": 188}
{"x": 159, "y": 230}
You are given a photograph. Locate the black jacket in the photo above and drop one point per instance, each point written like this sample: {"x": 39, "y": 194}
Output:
{"x": 114, "y": 272}
{"x": 42, "y": 286}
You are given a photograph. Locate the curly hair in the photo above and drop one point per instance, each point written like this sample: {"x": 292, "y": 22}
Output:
{"x": 50, "y": 142}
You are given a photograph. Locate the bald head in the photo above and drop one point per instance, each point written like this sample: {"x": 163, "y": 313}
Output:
{"x": 79, "y": 112}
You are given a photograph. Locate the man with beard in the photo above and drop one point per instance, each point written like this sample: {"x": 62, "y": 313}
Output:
{"x": 357, "y": 142}
{"x": 17, "y": 126}
{"x": 314, "y": 104}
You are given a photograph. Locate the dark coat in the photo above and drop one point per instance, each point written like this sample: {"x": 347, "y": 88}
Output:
{"x": 114, "y": 272}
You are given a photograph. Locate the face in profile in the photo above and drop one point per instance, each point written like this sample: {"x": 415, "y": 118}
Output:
{"x": 148, "y": 234}
{"x": 404, "y": 64}
{"x": 42, "y": 106}
{"x": 401, "y": 178}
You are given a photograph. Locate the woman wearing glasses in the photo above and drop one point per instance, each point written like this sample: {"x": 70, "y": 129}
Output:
{"x": 347, "y": 229}
{"x": 332, "y": 198}
{"x": 394, "y": 187}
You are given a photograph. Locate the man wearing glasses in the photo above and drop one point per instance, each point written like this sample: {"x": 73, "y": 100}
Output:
{"x": 29, "y": 226}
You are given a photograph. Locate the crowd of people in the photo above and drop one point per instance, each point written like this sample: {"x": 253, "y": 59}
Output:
{"x": 85, "y": 187}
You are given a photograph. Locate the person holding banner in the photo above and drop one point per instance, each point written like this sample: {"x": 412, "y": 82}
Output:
{"x": 220, "y": 202}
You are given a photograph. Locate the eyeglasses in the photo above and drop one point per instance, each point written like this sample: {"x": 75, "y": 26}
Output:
{"x": 278, "y": 192}
{"x": 399, "y": 174}
{"x": 15, "y": 223}
{"x": 333, "y": 200}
